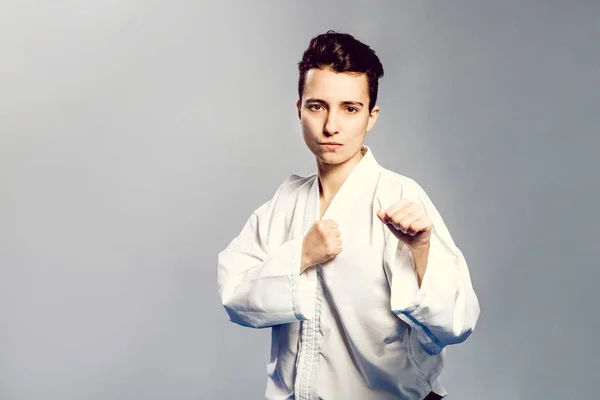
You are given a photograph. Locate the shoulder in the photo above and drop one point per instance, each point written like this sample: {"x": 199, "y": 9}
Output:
{"x": 393, "y": 186}
{"x": 295, "y": 183}
{"x": 396, "y": 182}
{"x": 293, "y": 186}
{"x": 290, "y": 187}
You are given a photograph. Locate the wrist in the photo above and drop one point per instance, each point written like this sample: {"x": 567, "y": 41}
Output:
{"x": 420, "y": 248}
{"x": 304, "y": 265}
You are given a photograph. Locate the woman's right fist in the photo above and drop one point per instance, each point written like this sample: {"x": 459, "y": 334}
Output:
{"x": 321, "y": 243}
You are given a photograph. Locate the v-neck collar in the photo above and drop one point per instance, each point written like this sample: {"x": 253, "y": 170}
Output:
{"x": 362, "y": 177}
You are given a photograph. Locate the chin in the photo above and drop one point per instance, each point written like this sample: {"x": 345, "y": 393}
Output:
{"x": 332, "y": 158}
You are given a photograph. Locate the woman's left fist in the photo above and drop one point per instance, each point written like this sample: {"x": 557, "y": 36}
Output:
{"x": 408, "y": 222}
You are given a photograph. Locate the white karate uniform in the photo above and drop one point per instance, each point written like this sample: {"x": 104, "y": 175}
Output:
{"x": 357, "y": 326}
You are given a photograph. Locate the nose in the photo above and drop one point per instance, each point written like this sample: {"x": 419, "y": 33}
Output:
{"x": 331, "y": 124}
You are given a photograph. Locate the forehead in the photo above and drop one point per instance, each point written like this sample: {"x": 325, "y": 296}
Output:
{"x": 330, "y": 85}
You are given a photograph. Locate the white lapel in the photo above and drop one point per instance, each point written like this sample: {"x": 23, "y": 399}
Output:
{"x": 362, "y": 178}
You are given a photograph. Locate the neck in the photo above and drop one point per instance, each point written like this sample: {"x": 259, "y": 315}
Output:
{"x": 331, "y": 177}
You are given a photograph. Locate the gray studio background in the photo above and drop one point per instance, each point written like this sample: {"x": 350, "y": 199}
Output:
{"x": 137, "y": 137}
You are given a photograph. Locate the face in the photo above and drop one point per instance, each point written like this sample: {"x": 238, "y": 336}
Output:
{"x": 335, "y": 108}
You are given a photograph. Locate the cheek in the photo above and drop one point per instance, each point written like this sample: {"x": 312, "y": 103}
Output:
{"x": 358, "y": 125}
{"x": 307, "y": 130}
{"x": 309, "y": 124}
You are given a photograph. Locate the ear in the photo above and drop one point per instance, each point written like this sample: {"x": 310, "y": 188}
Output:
{"x": 373, "y": 118}
{"x": 298, "y": 104}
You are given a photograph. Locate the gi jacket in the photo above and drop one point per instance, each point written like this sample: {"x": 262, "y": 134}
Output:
{"x": 357, "y": 326}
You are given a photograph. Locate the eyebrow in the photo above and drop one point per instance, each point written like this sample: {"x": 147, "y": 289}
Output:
{"x": 345, "y": 103}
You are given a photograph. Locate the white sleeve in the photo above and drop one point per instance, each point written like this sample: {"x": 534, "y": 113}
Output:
{"x": 445, "y": 309}
{"x": 261, "y": 287}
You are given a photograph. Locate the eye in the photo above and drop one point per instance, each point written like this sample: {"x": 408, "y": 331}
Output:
{"x": 352, "y": 110}
{"x": 313, "y": 107}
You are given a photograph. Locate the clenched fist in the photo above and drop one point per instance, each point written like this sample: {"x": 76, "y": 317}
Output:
{"x": 321, "y": 243}
{"x": 408, "y": 222}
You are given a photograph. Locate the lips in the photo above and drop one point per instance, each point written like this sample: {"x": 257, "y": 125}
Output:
{"x": 330, "y": 146}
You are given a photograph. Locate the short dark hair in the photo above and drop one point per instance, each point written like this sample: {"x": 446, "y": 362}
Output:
{"x": 342, "y": 53}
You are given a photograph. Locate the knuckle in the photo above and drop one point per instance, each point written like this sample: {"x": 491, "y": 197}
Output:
{"x": 331, "y": 248}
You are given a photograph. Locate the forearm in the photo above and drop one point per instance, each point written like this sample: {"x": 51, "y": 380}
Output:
{"x": 421, "y": 258}
{"x": 265, "y": 291}
{"x": 444, "y": 309}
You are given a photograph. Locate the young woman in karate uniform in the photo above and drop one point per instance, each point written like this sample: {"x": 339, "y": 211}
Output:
{"x": 352, "y": 268}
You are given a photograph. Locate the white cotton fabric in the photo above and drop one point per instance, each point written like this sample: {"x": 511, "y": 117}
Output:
{"x": 357, "y": 326}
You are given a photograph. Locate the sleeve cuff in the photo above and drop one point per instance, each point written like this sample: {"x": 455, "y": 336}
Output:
{"x": 304, "y": 286}
{"x": 407, "y": 295}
